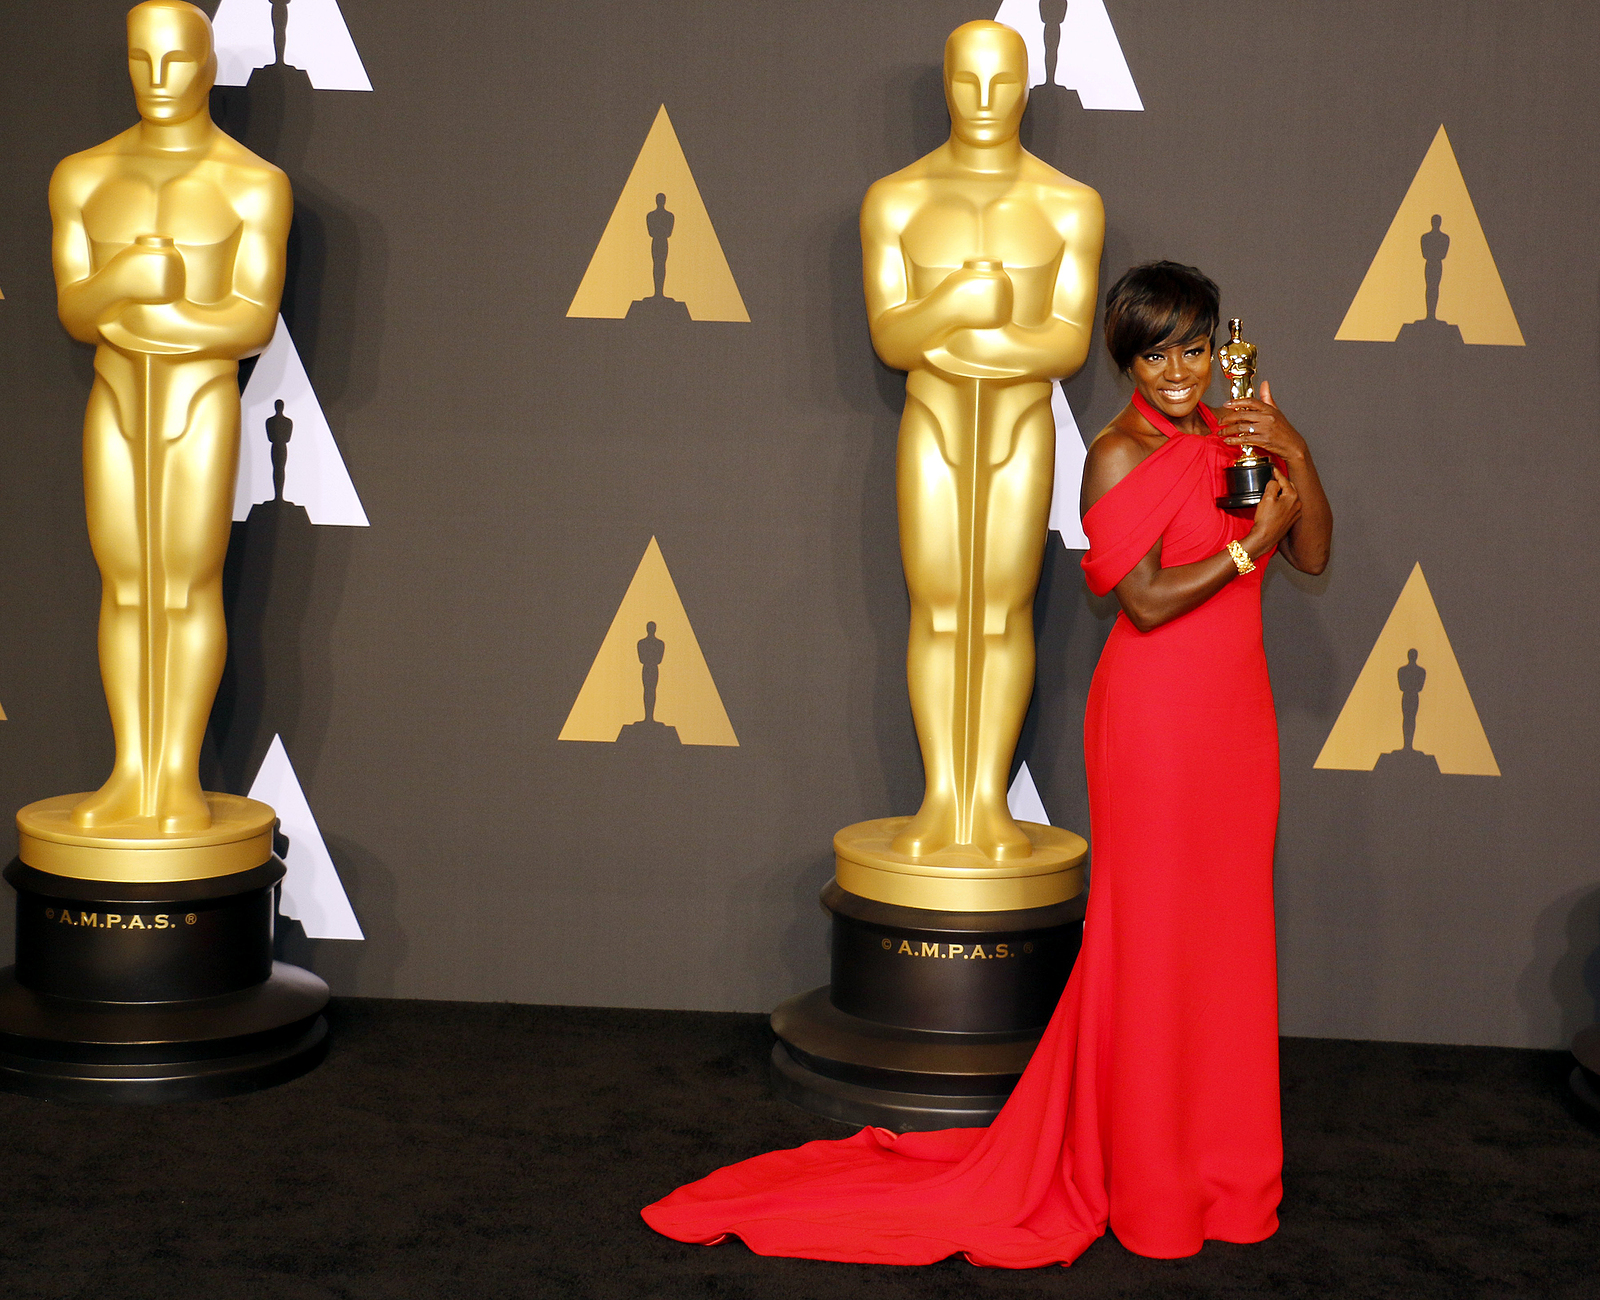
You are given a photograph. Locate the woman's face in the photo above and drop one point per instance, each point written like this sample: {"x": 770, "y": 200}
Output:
{"x": 1174, "y": 379}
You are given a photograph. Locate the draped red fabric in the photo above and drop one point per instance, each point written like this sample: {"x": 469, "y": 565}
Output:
{"x": 1151, "y": 1102}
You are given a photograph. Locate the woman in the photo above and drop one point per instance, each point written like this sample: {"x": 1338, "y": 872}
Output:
{"x": 1151, "y": 1102}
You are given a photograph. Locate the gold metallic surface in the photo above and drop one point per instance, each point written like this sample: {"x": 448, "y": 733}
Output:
{"x": 959, "y": 878}
{"x": 169, "y": 257}
{"x": 239, "y": 838}
{"x": 1238, "y": 361}
{"x": 981, "y": 264}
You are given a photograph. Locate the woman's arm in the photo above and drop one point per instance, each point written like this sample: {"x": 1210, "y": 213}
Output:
{"x": 1307, "y": 543}
{"x": 1150, "y": 595}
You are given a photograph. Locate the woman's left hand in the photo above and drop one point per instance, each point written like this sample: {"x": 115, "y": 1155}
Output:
{"x": 1256, "y": 422}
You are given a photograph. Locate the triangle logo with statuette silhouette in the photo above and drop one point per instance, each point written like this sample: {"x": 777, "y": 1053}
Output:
{"x": 620, "y": 280}
{"x": 316, "y": 40}
{"x": 315, "y": 476}
{"x": 610, "y": 706}
{"x": 1089, "y": 57}
{"x": 1472, "y": 304}
{"x": 1412, "y": 657}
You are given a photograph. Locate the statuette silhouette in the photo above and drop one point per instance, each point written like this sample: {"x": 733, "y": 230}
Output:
{"x": 280, "y": 428}
{"x": 652, "y": 650}
{"x": 658, "y": 221}
{"x": 280, "y": 29}
{"x": 1410, "y": 677}
{"x": 659, "y": 224}
{"x": 1435, "y": 248}
{"x": 169, "y": 258}
{"x": 1052, "y": 13}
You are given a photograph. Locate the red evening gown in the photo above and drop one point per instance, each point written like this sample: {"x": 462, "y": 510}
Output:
{"x": 1152, "y": 1099}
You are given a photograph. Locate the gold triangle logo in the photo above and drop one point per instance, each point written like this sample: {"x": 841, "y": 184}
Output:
{"x": 623, "y": 699}
{"x": 659, "y": 256}
{"x": 1421, "y": 283}
{"x": 1410, "y": 707}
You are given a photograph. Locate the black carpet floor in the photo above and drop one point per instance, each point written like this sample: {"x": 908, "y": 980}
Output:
{"x": 449, "y": 1150}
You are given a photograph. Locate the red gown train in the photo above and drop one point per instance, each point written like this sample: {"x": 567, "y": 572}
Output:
{"x": 1151, "y": 1102}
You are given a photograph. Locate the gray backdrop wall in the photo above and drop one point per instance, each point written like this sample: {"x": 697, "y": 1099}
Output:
{"x": 514, "y": 464}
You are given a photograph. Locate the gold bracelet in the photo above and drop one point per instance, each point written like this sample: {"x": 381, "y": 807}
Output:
{"x": 1241, "y": 558}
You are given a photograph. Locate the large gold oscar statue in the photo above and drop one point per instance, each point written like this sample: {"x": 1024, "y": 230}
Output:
{"x": 981, "y": 264}
{"x": 145, "y": 911}
{"x": 955, "y": 930}
{"x": 169, "y": 258}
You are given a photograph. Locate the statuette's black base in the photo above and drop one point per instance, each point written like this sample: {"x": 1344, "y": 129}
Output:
{"x": 163, "y": 1051}
{"x": 931, "y": 1016}
{"x": 1246, "y": 483}
{"x": 1586, "y": 1078}
{"x": 860, "y": 1072}
{"x": 153, "y": 992}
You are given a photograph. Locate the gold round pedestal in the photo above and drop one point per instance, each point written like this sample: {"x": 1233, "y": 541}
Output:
{"x": 959, "y": 879}
{"x": 238, "y": 839}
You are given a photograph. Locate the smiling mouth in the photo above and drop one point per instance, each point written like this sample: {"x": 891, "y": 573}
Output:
{"x": 1177, "y": 394}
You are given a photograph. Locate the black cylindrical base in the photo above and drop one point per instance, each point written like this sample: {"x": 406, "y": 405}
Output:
{"x": 100, "y": 941}
{"x": 153, "y": 992}
{"x": 1246, "y": 484}
{"x": 953, "y": 972}
{"x": 931, "y": 1016}
{"x": 1586, "y": 1078}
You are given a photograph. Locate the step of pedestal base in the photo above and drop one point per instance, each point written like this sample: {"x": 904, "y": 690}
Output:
{"x": 852, "y": 1104}
{"x": 163, "y": 1051}
{"x": 862, "y": 1072}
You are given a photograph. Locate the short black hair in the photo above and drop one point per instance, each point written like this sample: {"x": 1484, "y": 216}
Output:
{"x": 1157, "y": 304}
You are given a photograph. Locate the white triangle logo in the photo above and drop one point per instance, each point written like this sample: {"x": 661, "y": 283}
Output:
{"x": 1088, "y": 57}
{"x": 1023, "y": 799}
{"x": 316, "y": 40}
{"x": 314, "y": 474}
{"x": 312, "y": 893}
{"x": 1070, "y": 456}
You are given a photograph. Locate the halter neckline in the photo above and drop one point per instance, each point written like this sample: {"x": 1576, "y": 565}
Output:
{"x": 1166, "y": 426}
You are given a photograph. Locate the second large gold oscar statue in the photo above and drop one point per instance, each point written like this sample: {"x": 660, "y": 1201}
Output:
{"x": 954, "y": 929}
{"x": 145, "y": 909}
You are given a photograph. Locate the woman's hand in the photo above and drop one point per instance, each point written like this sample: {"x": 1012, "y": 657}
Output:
{"x": 1256, "y": 422}
{"x": 1299, "y": 518}
{"x": 1275, "y": 516}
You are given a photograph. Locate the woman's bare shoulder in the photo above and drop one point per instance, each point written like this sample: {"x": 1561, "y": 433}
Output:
{"x": 1112, "y": 456}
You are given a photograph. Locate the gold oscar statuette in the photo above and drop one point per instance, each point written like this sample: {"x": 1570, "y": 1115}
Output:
{"x": 169, "y": 244}
{"x": 953, "y": 931}
{"x": 1247, "y": 477}
{"x": 981, "y": 265}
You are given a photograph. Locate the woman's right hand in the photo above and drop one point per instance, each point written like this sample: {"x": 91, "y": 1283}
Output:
{"x": 1275, "y": 516}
